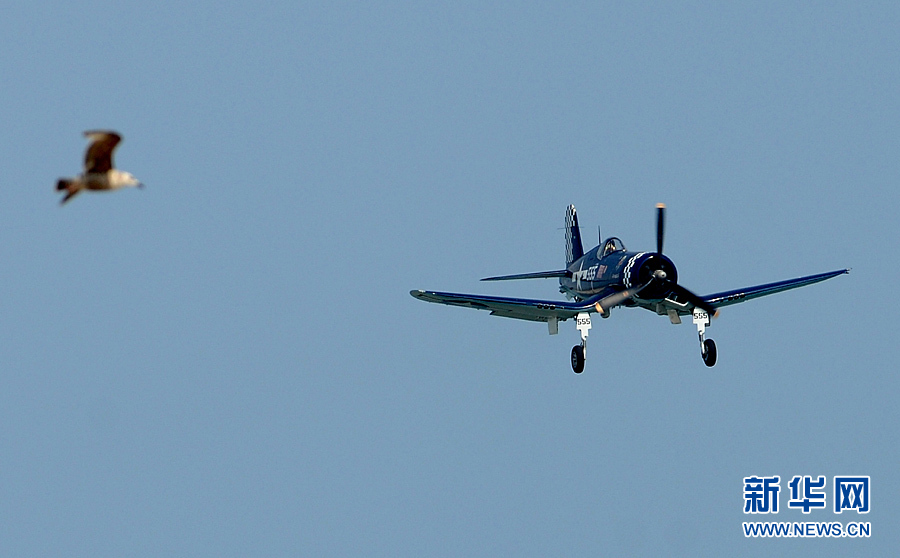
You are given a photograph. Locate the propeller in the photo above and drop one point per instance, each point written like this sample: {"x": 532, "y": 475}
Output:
{"x": 675, "y": 287}
{"x": 603, "y": 305}
{"x": 617, "y": 298}
{"x": 659, "y": 277}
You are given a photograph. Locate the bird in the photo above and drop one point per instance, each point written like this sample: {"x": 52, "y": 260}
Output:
{"x": 99, "y": 172}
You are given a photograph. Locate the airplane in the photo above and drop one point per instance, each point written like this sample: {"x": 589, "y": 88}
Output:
{"x": 608, "y": 276}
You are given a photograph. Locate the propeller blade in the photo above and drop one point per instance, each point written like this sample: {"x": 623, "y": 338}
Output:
{"x": 693, "y": 299}
{"x": 605, "y": 304}
{"x": 660, "y": 226}
{"x": 615, "y": 299}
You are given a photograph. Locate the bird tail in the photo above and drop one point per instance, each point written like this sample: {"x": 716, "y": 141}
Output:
{"x": 70, "y": 187}
{"x": 68, "y": 196}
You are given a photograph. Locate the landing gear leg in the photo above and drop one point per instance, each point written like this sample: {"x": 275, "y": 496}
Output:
{"x": 583, "y": 323}
{"x": 707, "y": 346}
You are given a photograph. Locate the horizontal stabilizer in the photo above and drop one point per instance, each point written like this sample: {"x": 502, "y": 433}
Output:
{"x": 538, "y": 275}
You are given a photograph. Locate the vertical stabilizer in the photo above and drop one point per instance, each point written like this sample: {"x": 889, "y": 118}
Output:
{"x": 574, "y": 249}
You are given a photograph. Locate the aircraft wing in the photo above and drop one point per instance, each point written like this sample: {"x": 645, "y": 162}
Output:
{"x": 519, "y": 308}
{"x": 728, "y": 298}
{"x": 544, "y": 310}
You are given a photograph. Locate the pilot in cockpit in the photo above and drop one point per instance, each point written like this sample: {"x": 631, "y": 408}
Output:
{"x": 612, "y": 245}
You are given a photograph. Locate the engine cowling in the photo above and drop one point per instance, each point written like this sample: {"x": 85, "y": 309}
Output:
{"x": 646, "y": 267}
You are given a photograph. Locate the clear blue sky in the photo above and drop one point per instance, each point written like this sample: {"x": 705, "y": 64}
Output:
{"x": 228, "y": 362}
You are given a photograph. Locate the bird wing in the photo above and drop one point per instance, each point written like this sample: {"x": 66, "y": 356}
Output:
{"x": 98, "y": 158}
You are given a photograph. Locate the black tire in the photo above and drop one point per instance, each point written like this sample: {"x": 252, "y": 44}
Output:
{"x": 709, "y": 353}
{"x": 578, "y": 359}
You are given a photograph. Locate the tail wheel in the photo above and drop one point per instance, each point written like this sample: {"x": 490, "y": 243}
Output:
{"x": 578, "y": 359}
{"x": 709, "y": 352}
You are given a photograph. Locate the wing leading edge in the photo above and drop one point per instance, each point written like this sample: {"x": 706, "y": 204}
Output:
{"x": 537, "y": 275}
{"x": 519, "y": 308}
{"x": 735, "y": 296}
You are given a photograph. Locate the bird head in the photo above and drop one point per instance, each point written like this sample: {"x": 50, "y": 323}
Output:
{"x": 122, "y": 179}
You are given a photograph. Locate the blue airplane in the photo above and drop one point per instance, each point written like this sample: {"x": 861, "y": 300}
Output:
{"x": 608, "y": 276}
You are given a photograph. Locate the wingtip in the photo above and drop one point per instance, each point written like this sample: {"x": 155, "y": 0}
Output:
{"x": 89, "y": 133}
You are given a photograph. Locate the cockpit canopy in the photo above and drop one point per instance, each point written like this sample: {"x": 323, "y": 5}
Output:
{"x": 611, "y": 245}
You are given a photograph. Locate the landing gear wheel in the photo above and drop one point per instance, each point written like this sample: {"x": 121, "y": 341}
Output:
{"x": 578, "y": 359}
{"x": 709, "y": 352}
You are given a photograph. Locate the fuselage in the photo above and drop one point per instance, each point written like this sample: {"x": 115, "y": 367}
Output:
{"x": 609, "y": 267}
{"x": 112, "y": 179}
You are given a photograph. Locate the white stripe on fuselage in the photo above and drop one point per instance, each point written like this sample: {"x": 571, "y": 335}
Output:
{"x": 626, "y": 274}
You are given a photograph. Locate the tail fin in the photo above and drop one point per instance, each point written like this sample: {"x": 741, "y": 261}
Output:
{"x": 574, "y": 249}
